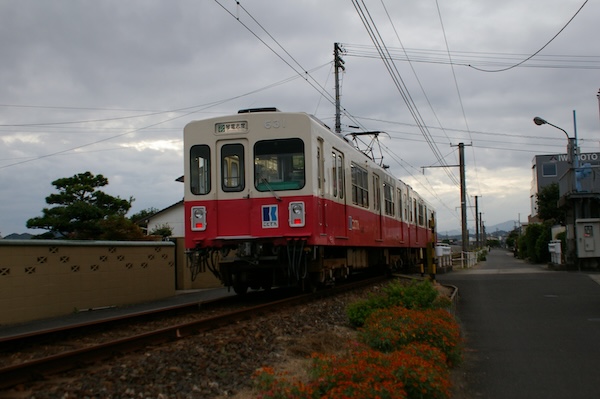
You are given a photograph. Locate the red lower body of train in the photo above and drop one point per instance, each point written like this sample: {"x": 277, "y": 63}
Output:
{"x": 262, "y": 242}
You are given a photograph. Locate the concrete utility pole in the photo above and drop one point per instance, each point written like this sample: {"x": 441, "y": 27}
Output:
{"x": 477, "y": 242}
{"x": 483, "y": 233}
{"x": 463, "y": 197}
{"x": 338, "y": 64}
{"x": 463, "y": 193}
{"x": 598, "y": 97}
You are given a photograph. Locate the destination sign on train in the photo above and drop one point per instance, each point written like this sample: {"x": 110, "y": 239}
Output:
{"x": 232, "y": 127}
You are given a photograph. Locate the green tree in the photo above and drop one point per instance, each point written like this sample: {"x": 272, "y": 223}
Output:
{"x": 81, "y": 211}
{"x": 512, "y": 239}
{"x": 533, "y": 245}
{"x": 164, "y": 230}
{"x": 547, "y": 203}
{"x": 141, "y": 218}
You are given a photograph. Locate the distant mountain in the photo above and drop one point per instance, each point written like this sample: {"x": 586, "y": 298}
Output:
{"x": 15, "y": 236}
{"x": 507, "y": 226}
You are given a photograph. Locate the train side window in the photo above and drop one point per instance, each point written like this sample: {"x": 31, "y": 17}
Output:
{"x": 338, "y": 174}
{"x": 400, "y": 206}
{"x": 232, "y": 167}
{"x": 360, "y": 186}
{"x": 200, "y": 169}
{"x": 376, "y": 193}
{"x": 320, "y": 172}
{"x": 334, "y": 173}
{"x": 388, "y": 198}
{"x": 414, "y": 217}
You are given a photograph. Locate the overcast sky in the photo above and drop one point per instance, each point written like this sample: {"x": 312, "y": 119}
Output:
{"x": 107, "y": 87}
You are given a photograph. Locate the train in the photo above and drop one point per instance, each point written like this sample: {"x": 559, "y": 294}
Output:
{"x": 279, "y": 199}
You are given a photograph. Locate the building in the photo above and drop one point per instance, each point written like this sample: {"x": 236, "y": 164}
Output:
{"x": 579, "y": 193}
{"x": 548, "y": 169}
{"x": 171, "y": 217}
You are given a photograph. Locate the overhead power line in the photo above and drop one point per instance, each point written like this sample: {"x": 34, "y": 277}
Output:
{"x": 537, "y": 52}
{"x": 385, "y": 56}
{"x": 481, "y": 59}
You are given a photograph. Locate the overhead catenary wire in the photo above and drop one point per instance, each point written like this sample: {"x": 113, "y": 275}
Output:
{"x": 471, "y": 58}
{"x": 302, "y": 72}
{"x": 538, "y": 51}
{"x": 423, "y": 91}
{"x": 381, "y": 48}
{"x": 460, "y": 101}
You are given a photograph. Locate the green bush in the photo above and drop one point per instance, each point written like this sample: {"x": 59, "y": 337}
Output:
{"x": 414, "y": 295}
{"x": 542, "y": 254}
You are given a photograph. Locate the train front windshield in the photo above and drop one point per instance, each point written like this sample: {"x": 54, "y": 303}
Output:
{"x": 279, "y": 165}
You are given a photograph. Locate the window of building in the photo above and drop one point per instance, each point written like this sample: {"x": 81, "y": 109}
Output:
{"x": 200, "y": 169}
{"x": 549, "y": 169}
{"x": 360, "y": 186}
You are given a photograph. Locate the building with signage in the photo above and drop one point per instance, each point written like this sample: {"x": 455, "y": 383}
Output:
{"x": 548, "y": 169}
{"x": 579, "y": 190}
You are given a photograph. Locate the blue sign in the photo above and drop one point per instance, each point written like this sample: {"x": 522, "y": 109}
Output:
{"x": 269, "y": 217}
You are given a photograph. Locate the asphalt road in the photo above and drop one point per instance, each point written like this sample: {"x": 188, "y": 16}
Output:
{"x": 530, "y": 332}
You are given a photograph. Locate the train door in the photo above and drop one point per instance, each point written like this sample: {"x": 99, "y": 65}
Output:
{"x": 377, "y": 206}
{"x": 338, "y": 214}
{"x": 233, "y": 206}
{"x": 399, "y": 194}
{"x": 322, "y": 211}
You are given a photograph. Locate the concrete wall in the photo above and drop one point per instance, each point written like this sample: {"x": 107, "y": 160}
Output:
{"x": 45, "y": 278}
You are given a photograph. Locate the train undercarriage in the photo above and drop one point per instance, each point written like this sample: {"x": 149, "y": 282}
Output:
{"x": 263, "y": 265}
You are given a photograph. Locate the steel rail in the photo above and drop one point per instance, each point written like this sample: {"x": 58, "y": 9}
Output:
{"x": 6, "y": 342}
{"x": 35, "y": 369}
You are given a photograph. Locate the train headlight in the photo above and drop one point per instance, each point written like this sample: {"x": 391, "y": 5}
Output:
{"x": 296, "y": 214}
{"x": 198, "y": 218}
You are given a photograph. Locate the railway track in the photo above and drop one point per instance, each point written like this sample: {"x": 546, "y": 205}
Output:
{"x": 68, "y": 359}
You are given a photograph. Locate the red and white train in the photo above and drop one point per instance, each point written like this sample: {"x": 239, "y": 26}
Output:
{"x": 277, "y": 198}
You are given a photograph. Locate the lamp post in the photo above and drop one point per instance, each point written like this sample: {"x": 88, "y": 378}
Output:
{"x": 571, "y": 147}
{"x": 573, "y": 161}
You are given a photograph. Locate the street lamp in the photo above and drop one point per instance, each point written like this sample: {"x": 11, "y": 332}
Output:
{"x": 572, "y": 144}
{"x": 540, "y": 121}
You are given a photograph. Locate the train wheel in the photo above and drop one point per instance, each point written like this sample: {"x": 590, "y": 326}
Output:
{"x": 240, "y": 285}
{"x": 240, "y": 289}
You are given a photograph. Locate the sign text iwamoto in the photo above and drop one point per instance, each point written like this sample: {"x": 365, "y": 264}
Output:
{"x": 585, "y": 157}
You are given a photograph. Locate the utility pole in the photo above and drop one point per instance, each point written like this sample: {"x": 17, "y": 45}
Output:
{"x": 483, "y": 234}
{"x": 477, "y": 242}
{"x": 598, "y": 97}
{"x": 463, "y": 193}
{"x": 338, "y": 64}
{"x": 463, "y": 197}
